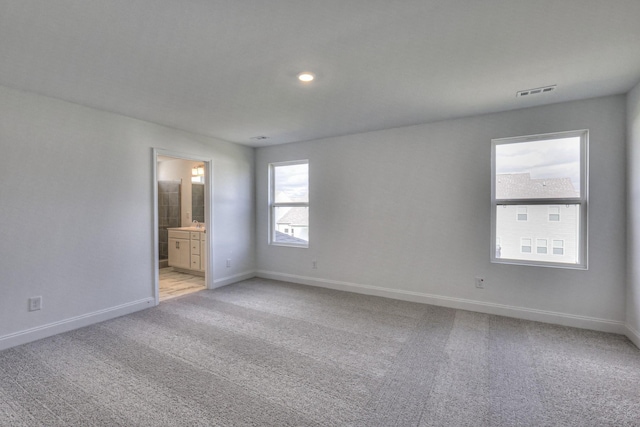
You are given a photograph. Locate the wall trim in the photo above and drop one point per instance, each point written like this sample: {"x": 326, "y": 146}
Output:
{"x": 564, "y": 319}
{"x": 633, "y": 335}
{"x": 224, "y": 281}
{"x": 50, "y": 329}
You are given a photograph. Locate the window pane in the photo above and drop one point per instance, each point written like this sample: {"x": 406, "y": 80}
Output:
{"x": 291, "y": 225}
{"x": 563, "y": 235}
{"x": 541, "y": 246}
{"x": 538, "y": 169}
{"x": 291, "y": 183}
{"x": 522, "y": 214}
{"x": 558, "y": 247}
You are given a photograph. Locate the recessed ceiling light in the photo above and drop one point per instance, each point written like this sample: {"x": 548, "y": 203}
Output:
{"x": 306, "y": 77}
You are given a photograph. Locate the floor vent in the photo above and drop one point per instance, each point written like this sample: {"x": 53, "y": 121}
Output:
{"x": 536, "y": 91}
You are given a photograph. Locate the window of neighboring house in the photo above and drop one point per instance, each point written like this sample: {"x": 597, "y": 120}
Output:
{"x": 289, "y": 203}
{"x": 558, "y": 247}
{"x": 538, "y": 176}
{"x": 522, "y": 213}
{"x": 541, "y": 246}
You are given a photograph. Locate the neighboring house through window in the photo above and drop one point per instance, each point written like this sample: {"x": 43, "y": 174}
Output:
{"x": 539, "y": 190}
{"x": 289, "y": 203}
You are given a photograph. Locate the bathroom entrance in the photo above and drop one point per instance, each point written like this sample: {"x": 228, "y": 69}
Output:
{"x": 181, "y": 238}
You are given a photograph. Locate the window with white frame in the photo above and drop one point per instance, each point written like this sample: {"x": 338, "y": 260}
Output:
{"x": 541, "y": 246}
{"x": 554, "y": 213}
{"x": 521, "y": 213}
{"x": 289, "y": 203}
{"x": 558, "y": 247}
{"x": 536, "y": 181}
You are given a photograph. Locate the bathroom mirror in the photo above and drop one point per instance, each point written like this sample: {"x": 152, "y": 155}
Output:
{"x": 197, "y": 202}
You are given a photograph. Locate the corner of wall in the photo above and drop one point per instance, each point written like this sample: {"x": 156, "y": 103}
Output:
{"x": 632, "y": 308}
{"x": 633, "y": 335}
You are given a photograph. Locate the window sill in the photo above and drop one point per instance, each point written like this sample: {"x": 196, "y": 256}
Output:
{"x": 539, "y": 264}
{"x": 289, "y": 245}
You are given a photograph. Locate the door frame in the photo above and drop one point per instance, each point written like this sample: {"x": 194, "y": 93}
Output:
{"x": 208, "y": 214}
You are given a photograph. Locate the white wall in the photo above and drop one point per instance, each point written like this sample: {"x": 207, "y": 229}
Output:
{"x": 76, "y": 212}
{"x": 406, "y": 213}
{"x": 633, "y": 214}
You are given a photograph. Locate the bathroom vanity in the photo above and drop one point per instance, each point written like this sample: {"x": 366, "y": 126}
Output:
{"x": 187, "y": 249}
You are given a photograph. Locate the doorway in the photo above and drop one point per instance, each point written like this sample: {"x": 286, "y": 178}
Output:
{"x": 182, "y": 224}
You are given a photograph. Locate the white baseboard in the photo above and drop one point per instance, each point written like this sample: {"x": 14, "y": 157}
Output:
{"x": 633, "y": 335}
{"x": 604, "y": 325}
{"x": 224, "y": 281}
{"x": 44, "y": 331}
{"x": 545, "y": 316}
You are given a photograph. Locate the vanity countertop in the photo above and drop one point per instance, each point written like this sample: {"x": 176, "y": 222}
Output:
{"x": 193, "y": 228}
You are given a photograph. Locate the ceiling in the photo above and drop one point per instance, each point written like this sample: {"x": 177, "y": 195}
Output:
{"x": 227, "y": 69}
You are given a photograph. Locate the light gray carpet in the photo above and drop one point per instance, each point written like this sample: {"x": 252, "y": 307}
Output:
{"x": 267, "y": 353}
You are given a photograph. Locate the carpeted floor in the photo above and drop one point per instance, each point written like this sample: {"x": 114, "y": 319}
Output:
{"x": 267, "y": 353}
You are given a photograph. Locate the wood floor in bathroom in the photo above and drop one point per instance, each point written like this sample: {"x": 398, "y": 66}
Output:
{"x": 174, "y": 283}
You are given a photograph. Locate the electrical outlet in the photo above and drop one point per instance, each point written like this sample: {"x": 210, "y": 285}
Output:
{"x": 35, "y": 303}
{"x": 314, "y": 264}
{"x": 228, "y": 262}
{"x": 480, "y": 282}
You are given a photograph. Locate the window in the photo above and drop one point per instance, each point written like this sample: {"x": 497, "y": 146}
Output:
{"x": 522, "y": 213}
{"x": 558, "y": 247}
{"x": 536, "y": 181}
{"x": 289, "y": 203}
{"x": 541, "y": 246}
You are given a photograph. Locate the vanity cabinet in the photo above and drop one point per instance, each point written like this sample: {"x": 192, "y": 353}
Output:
{"x": 203, "y": 252}
{"x": 195, "y": 250}
{"x": 179, "y": 249}
{"x": 187, "y": 249}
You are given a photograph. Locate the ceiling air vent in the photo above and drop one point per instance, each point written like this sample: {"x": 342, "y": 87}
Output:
{"x": 536, "y": 91}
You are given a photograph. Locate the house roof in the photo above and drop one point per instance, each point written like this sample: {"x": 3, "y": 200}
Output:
{"x": 521, "y": 186}
{"x": 296, "y": 217}
{"x": 285, "y": 238}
